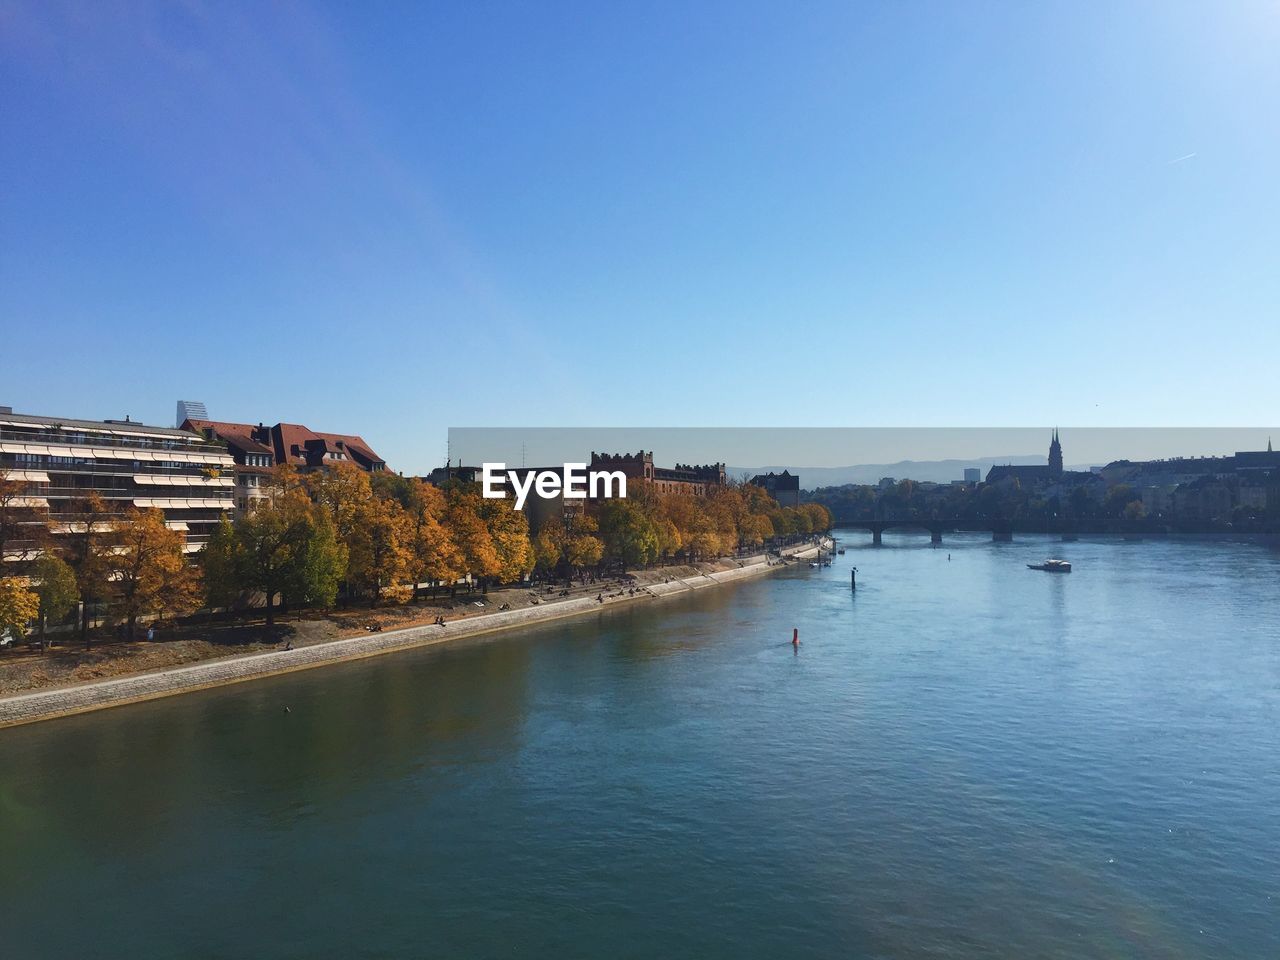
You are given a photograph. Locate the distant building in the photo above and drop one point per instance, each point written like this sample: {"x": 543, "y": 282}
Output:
{"x": 783, "y": 487}
{"x": 1032, "y": 475}
{"x": 189, "y": 410}
{"x": 972, "y": 474}
{"x": 256, "y": 449}
{"x": 682, "y": 478}
{"x": 299, "y": 446}
{"x": 128, "y": 464}
{"x": 442, "y": 475}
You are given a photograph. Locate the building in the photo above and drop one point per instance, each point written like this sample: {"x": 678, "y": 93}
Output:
{"x": 682, "y": 478}
{"x": 783, "y": 487}
{"x": 1035, "y": 476}
{"x": 443, "y": 475}
{"x": 190, "y": 410}
{"x": 128, "y": 464}
{"x": 255, "y": 450}
{"x": 250, "y": 451}
{"x": 972, "y": 475}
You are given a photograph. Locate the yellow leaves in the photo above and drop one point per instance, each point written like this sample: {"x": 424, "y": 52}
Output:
{"x": 433, "y": 553}
{"x": 470, "y": 533}
{"x": 19, "y": 605}
{"x": 149, "y": 568}
{"x": 379, "y": 544}
{"x": 341, "y": 490}
{"x": 706, "y": 526}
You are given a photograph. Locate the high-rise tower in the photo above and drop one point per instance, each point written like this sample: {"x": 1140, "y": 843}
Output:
{"x": 190, "y": 410}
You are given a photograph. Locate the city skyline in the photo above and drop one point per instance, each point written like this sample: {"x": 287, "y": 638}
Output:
{"x": 426, "y": 216}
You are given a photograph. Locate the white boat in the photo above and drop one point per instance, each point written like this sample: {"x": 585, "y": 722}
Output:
{"x": 1052, "y": 566}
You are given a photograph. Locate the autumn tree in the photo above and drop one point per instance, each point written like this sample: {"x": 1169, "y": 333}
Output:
{"x": 583, "y": 548}
{"x": 55, "y": 584}
{"x": 470, "y": 533}
{"x": 19, "y": 605}
{"x": 570, "y": 540}
{"x": 149, "y": 569}
{"x": 380, "y": 552}
{"x": 23, "y": 519}
{"x": 549, "y": 546}
{"x": 432, "y": 554}
{"x": 509, "y": 531}
{"x": 341, "y": 490}
{"x": 88, "y": 543}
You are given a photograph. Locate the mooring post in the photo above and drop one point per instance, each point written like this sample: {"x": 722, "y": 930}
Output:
{"x": 853, "y": 578}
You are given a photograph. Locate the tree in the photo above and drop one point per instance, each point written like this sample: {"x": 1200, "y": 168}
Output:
{"x": 380, "y": 555}
{"x": 432, "y": 553}
{"x": 150, "y": 570}
{"x": 470, "y": 533}
{"x": 549, "y": 546}
{"x": 55, "y": 585}
{"x": 285, "y": 547}
{"x": 582, "y": 548}
{"x": 323, "y": 560}
{"x": 628, "y": 534}
{"x": 19, "y": 605}
{"x": 218, "y": 561}
{"x": 341, "y": 490}
{"x": 509, "y": 531}
{"x": 23, "y": 519}
{"x": 1118, "y": 498}
{"x": 819, "y": 516}
{"x": 89, "y": 543}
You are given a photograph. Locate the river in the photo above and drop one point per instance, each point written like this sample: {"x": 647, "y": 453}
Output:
{"x": 964, "y": 759}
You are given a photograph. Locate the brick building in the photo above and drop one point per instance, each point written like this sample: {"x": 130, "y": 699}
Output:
{"x": 682, "y": 478}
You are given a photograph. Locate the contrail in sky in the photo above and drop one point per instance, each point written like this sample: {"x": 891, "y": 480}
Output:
{"x": 1180, "y": 159}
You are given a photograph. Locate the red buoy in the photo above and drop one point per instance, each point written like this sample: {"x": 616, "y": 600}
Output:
{"x": 795, "y": 636}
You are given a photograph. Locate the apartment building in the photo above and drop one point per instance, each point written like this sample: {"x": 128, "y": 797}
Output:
{"x": 62, "y": 460}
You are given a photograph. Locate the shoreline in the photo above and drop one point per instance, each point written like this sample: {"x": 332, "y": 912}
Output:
{"x": 39, "y": 705}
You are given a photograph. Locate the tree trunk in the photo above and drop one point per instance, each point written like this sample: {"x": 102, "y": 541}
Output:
{"x": 271, "y": 609}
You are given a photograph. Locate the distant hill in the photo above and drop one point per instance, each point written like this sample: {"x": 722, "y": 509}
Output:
{"x": 938, "y": 471}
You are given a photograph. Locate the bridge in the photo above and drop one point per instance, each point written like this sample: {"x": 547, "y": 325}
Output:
{"x": 1000, "y": 530}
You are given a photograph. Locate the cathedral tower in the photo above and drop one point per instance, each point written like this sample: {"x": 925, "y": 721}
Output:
{"x": 1055, "y": 455}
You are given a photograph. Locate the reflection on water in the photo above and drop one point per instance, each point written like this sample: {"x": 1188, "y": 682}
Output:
{"x": 963, "y": 759}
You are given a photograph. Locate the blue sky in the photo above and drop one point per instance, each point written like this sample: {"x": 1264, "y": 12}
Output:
{"x": 393, "y": 218}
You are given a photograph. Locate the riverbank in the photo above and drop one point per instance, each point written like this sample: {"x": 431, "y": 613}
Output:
{"x": 47, "y": 703}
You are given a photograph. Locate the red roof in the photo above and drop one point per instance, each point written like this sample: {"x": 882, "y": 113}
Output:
{"x": 295, "y": 444}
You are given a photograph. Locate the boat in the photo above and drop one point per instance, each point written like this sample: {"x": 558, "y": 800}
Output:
{"x": 841, "y": 551}
{"x": 1051, "y": 566}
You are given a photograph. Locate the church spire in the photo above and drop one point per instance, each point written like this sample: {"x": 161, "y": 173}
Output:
{"x": 1055, "y": 455}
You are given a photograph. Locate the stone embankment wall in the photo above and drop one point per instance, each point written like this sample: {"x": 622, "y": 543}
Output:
{"x": 46, "y": 704}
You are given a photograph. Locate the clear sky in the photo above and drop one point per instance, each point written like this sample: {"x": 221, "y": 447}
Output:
{"x": 390, "y": 218}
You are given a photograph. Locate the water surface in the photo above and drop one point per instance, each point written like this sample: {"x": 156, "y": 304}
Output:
{"x": 965, "y": 759}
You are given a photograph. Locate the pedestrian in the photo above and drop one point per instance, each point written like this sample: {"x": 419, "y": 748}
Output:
{"x": 151, "y": 634}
